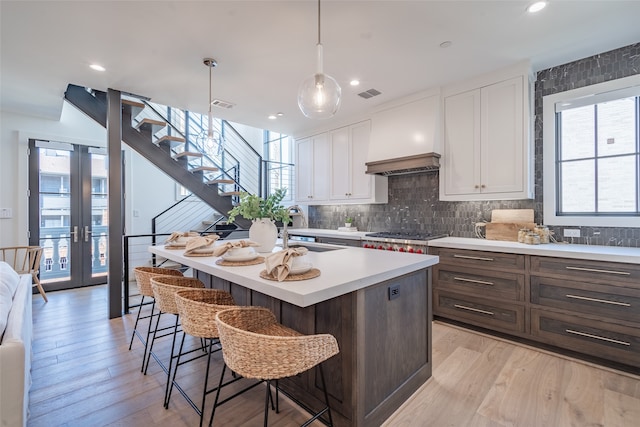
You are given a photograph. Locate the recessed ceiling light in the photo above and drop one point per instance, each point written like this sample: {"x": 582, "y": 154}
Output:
{"x": 446, "y": 44}
{"x": 97, "y": 67}
{"x": 536, "y": 7}
{"x": 280, "y": 114}
{"x": 272, "y": 117}
{"x": 354, "y": 82}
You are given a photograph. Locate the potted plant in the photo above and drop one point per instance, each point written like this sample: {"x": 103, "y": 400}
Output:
{"x": 348, "y": 221}
{"x": 263, "y": 212}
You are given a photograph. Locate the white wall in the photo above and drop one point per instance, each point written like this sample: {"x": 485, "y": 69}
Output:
{"x": 149, "y": 190}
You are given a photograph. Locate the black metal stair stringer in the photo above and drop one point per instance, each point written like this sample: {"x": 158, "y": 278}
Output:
{"x": 95, "y": 106}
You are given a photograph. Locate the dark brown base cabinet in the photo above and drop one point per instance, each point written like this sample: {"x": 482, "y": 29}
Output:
{"x": 384, "y": 340}
{"x": 588, "y": 307}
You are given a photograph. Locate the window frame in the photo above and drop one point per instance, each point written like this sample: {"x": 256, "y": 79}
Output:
{"x": 587, "y": 94}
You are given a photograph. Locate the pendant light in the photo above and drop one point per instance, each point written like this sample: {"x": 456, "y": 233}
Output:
{"x": 212, "y": 139}
{"x": 319, "y": 94}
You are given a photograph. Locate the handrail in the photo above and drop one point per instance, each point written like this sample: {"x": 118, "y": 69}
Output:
{"x": 226, "y": 123}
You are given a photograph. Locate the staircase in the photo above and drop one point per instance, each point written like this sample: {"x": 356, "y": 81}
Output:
{"x": 152, "y": 138}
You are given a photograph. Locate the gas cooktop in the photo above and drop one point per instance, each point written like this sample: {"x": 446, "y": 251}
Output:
{"x": 404, "y": 235}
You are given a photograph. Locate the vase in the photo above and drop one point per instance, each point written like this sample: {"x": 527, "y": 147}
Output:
{"x": 264, "y": 232}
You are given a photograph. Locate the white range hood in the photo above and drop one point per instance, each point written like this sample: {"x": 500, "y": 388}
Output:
{"x": 405, "y": 138}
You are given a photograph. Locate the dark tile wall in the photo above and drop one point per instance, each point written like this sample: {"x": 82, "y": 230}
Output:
{"x": 413, "y": 199}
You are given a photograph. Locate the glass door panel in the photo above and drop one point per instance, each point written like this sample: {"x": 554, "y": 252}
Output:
{"x": 69, "y": 216}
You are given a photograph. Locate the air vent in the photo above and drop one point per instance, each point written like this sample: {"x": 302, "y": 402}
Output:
{"x": 369, "y": 93}
{"x": 221, "y": 104}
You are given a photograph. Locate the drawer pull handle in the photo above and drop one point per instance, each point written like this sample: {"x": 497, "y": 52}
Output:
{"x": 604, "y": 301}
{"x": 595, "y": 270}
{"x": 477, "y": 258}
{"x": 598, "y": 337}
{"x": 477, "y": 310}
{"x": 480, "y": 282}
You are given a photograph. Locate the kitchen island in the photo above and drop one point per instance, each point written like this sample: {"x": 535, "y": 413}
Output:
{"x": 378, "y": 306}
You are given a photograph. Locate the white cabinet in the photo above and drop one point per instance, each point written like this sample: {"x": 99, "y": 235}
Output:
{"x": 312, "y": 169}
{"x": 349, "y": 182}
{"x": 487, "y": 141}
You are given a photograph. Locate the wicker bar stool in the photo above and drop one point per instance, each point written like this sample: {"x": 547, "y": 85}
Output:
{"x": 255, "y": 346}
{"x": 143, "y": 277}
{"x": 197, "y": 309}
{"x": 164, "y": 289}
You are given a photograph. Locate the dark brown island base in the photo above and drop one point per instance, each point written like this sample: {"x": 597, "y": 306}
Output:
{"x": 376, "y": 304}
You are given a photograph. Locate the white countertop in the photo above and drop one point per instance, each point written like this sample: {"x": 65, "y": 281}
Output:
{"x": 562, "y": 250}
{"x": 321, "y": 232}
{"x": 343, "y": 270}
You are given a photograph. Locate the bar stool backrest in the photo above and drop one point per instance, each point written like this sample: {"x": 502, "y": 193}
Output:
{"x": 254, "y": 345}
{"x": 144, "y": 275}
{"x": 165, "y": 287}
{"x": 198, "y": 308}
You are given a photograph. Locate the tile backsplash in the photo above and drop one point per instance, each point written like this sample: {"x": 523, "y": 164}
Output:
{"x": 414, "y": 203}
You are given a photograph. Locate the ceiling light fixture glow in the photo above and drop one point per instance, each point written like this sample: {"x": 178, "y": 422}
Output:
{"x": 537, "y": 6}
{"x": 97, "y": 67}
{"x": 354, "y": 82}
{"x": 319, "y": 94}
{"x": 272, "y": 117}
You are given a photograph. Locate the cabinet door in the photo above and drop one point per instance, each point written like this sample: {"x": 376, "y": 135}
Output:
{"x": 312, "y": 169}
{"x": 361, "y": 183}
{"x": 304, "y": 169}
{"x": 502, "y": 153}
{"x": 462, "y": 143}
{"x": 340, "y": 163}
{"x": 321, "y": 159}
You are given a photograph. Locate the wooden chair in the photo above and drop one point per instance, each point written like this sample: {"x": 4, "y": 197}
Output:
{"x": 25, "y": 260}
{"x": 255, "y": 345}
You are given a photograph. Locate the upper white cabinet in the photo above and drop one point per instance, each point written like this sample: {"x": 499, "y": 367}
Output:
{"x": 487, "y": 144}
{"x": 349, "y": 182}
{"x": 330, "y": 168}
{"x": 312, "y": 169}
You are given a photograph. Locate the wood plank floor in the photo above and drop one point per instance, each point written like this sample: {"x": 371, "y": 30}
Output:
{"x": 84, "y": 375}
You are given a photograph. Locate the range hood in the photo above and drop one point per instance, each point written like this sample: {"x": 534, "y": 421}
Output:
{"x": 418, "y": 163}
{"x": 404, "y": 137}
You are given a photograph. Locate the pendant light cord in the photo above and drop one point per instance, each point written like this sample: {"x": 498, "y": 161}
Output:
{"x": 319, "y": 22}
{"x": 210, "y": 67}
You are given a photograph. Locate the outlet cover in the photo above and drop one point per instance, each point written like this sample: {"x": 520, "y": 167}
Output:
{"x": 571, "y": 232}
{"x": 6, "y": 213}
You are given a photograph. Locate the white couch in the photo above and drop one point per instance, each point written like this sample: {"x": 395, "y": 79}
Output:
{"x": 16, "y": 332}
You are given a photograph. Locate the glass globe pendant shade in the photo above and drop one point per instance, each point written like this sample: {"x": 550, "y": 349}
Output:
{"x": 319, "y": 94}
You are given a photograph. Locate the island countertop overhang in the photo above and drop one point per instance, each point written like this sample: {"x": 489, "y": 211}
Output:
{"x": 342, "y": 271}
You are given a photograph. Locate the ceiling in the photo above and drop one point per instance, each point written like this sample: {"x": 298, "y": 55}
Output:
{"x": 266, "y": 48}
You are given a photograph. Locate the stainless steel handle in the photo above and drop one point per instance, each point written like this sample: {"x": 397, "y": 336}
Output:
{"x": 477, "y": 310}
{"x": 597, "y": 337}
{"x": 604, "y": 301}
{"x": 595, "y": 270}
{"x": 335, "y": 243}
{"x": 480, "y": 282}
{"x": 74, "y": 233}
{"x": 87, "y": 233}
{"x": 477, "y": 258}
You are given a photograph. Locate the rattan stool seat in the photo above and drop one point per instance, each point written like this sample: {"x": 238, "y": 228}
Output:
{"x": 197, "y": 309}
{"x": 143, "y": 277}
{"x": 255, "y": 345}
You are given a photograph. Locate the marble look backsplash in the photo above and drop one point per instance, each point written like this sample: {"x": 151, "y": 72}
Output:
{"x": 414, "y": 204}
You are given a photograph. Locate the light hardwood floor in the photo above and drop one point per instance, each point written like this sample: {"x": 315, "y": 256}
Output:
{"x": 84, "y": 375}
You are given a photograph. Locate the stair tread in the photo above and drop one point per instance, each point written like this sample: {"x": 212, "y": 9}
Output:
{"x": 220, "y": 181}
{"x": 147, "y": 122}
{"x": 172, "y": 140}
{"x": 132, "y": 103}
{"x": 205, "y": 169}
{"x": 187, "y": 154}
{"x": 230, "y": 193}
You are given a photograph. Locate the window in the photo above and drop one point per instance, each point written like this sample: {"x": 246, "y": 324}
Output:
{"x": 278, "y": 150}
{"x": 592, "y": 155}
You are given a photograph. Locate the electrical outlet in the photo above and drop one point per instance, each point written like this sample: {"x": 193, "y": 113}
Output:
{"x": 394, "y": 292}
{"x": 571, "y": 232}
{"x": 6, "y": 213}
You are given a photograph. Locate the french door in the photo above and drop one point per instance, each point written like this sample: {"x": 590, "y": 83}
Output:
{"x": 68, "y": 213}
